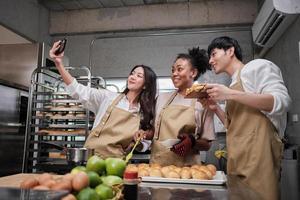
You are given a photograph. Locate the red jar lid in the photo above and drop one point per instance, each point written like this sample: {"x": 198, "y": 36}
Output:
{"x": 130, "y": 175}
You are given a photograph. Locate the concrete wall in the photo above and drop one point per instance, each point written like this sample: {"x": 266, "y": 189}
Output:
{"x": 164, "y": 16}
{"x": 286, "y": 55}
{"x": 26, "y": 18}
{"x": 113, "y": 55}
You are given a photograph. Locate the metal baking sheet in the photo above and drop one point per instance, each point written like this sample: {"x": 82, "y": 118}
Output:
{"x": 218, "y": 179}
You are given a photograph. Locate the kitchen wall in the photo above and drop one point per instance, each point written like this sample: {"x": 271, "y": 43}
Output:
{"x": 113, "y": 55}
{"x": 27, "y": 18}
{"x": 286, "y": 54}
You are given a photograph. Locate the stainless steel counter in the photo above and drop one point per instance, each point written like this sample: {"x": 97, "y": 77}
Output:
{"x": 234, "y": 189}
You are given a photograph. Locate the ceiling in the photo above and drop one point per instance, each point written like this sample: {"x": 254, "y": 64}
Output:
{"x": 62, "y": 5}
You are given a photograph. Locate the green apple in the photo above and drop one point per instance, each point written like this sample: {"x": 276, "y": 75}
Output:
{"x": 94, "y": 179}
{"x": 104, "y": 191}
{"x": 87, "y": 194}
{"x": 111, "y": 180}
{"x": 78, "y": 169}
{"x": 96, "y": 164}
{"x": 115, "y": 166}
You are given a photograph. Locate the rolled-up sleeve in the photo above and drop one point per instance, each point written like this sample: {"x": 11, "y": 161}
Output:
{"x": 269, "y": 81}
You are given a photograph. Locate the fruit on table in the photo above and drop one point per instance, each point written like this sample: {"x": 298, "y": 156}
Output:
{"x": 96, "y": 164}
{"x": 111, "y": 180}
{"x": 104, "y": 191}
{"x": 94, "y": 179}
{"x": 69, "y": 197}
{"x": 115, "y": 166}
{"x": 87, "y": 194}
{"x": 78, "y": 169}
{"x": 62, "y": 185}
{"x": 80, "y": 181}
{"x": 29, "y": 183}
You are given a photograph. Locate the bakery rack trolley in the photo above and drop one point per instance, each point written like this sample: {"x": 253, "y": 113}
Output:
{"x": 55, "y": 121}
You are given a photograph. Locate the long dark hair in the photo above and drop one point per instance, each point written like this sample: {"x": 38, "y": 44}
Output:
{"x": 146, "y": 98}
{"x": 198, "y": 59}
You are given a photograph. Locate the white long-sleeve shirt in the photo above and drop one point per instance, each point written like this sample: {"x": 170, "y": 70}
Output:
{"x": 261, "y": 76}
{"x": 98, "y": 100}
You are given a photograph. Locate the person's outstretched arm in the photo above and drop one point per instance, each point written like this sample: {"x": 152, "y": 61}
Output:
{"x": 66, "y": 76}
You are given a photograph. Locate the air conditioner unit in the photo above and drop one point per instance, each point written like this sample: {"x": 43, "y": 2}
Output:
{"x": 273, "y": 19}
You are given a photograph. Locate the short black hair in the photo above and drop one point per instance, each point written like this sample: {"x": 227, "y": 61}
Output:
{"x": 198, "y": 59}
{"x": 225, "y": 43}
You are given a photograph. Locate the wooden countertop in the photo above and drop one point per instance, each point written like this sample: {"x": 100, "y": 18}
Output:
{"x": 15, "y": 180}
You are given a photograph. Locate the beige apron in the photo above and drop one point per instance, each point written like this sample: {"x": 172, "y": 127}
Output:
{"x": 254, "y": 148}
{"x": 114, "y": 133}
{"x": 172, "y": 119}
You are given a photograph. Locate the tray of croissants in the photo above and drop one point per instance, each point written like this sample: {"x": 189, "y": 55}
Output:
{"x": 195, "y": 174}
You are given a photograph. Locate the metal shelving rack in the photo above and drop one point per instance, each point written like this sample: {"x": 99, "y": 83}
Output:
{"x": 54, "y": 121}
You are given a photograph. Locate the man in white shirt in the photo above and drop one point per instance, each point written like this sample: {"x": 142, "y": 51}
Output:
{"x": 256, "y": 107}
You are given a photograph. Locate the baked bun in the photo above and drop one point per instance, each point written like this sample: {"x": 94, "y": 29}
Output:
{"x": 143, "y": 172}
{"x": 172, "y": 174}
{"x": 198, "y": 90}
{"x": 212, "y": 169}
{"x": 196, "y": 174}
{"x": 186, "y": 174}
{"x": 155, "y": 172}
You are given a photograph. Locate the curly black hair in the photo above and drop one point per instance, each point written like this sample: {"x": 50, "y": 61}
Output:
{"x": 198, "y": 59}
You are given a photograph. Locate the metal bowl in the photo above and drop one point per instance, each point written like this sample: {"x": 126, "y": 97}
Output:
{"x": 78, "y": 156}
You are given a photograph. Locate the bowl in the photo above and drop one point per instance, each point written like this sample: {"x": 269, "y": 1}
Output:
{"x": 78, "y": 156}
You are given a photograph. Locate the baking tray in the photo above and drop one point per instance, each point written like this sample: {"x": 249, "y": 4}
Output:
{"x": 218, "y": 179}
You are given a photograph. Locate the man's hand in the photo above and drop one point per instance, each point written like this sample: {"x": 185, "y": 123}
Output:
{"x": 185, "y": 146}
{"x": 209, "y": 104}
{"x": 218, "y": 92}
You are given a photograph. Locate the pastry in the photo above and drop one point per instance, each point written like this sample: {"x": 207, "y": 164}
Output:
{"x": 155, "y": 172}
{"x": 172, "y": 174}
{"x": 186, "y": 174}
{"x": 197, "y": 174}
{"x": 143, "y": 172}
{"x": 197, "y": 90}
{"x": 212, "y": 169}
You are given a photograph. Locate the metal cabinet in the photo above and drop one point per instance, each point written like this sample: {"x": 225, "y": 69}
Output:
{"x": 54, "y": 121}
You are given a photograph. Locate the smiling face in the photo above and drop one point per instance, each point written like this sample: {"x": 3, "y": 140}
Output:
{"x": 183, "y": 74}
{"x": 136, "y": 80}
{"x": 219, "y": 60}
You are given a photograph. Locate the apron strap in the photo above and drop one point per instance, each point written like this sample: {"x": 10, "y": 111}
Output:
{"x": 104, "y": 119}
{"x": 239, "y": 81}
{"x": 157, "y": 125}
{"x": 203, "y": 118}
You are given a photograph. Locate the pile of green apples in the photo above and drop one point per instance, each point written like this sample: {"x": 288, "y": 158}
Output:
{"x": 103, "y": 177}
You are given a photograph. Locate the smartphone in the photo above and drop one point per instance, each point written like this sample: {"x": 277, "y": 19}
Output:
{"x": 62, "y": 46}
